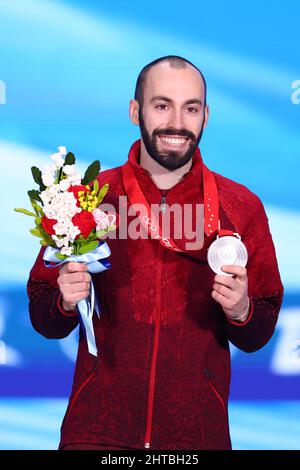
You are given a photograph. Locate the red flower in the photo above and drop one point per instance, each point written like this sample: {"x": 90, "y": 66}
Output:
{"x": 75, "y": 189}
{"x": 47, "y": 225}
{"x": 85, "y": 222}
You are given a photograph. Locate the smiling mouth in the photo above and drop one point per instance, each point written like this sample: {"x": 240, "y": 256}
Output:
{"x": 174, "y": 140}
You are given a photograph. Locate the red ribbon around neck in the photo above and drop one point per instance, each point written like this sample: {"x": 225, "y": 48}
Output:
{"x": 151, "y": 224}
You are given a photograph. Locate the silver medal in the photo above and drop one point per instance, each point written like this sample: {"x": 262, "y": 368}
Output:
{"x": 227, "y": 250}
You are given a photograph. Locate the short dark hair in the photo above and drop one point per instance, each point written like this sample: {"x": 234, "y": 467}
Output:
{"x": 174, "y": 61}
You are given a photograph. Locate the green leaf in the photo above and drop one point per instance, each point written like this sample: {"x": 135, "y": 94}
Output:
{"x": 36, "y": 207}
{"x": 90, "y": 246}
{"x": 69, "y": 159}
{"x": 40, "y": 232}
{"x": 58, "y": 174}
{"x": 38, "y": 220}
{"x": 91, "y": 172}
{"x": 79, "y": 241}
{"x": 35, "y": 195}
{"x": 24, "y": 211}
{"x": 102, "y": 192}
{"x": 91, "y": 237}
{"x": 49, "y": 241}
{"x": 37, "y": 176}
{"x": 96, "y": 187}
{"x": 36, "y": 232}
{"x": 60, "y": 256}
{"x": 101, "y": 233}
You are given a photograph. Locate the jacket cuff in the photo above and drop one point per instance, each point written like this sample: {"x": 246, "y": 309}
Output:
{"x": 258, "y": 328}
{"x": 65, "y": 313}
{"x": 245, "y": 322}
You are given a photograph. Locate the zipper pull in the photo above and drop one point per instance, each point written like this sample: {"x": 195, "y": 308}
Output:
{"x": 163, "y": 204}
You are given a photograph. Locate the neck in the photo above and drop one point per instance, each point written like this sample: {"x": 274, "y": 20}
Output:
{"x": 162, "y": 177}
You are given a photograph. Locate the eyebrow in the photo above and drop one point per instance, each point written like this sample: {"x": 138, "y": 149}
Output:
{"x": 169, "y": 100}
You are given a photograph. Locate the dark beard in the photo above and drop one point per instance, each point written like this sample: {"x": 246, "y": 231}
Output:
{"x": 172, "y": 159}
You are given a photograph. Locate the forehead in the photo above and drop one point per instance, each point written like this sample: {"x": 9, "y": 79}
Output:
{"x": 178, "y": 83}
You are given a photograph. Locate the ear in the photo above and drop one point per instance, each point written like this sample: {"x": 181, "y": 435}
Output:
{"x": 134, "y": 111}
{"x": 206, "y": 116}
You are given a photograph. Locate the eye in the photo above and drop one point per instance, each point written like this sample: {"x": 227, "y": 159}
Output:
{"x": 192, "y": 109}
{"x": 161, "y": 106}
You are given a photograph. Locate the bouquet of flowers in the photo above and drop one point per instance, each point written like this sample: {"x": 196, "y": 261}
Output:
{"x": 70, "y": 223}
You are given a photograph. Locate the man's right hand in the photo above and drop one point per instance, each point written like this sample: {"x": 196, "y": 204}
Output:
{"x": 74, "y": 284}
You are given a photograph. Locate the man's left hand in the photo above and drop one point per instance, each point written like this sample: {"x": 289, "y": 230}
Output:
{"x": 231, "y": 292}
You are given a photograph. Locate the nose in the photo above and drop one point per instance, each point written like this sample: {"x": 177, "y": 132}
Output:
{"x": 176, "y": 119}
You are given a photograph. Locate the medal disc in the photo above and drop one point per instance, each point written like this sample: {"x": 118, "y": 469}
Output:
{"x": 225, "y": 251}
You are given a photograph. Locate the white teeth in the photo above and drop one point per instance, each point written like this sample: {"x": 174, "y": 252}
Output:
{"x": 173, "y": 140}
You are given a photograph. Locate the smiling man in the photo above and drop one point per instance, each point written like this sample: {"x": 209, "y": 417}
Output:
{"x": 162, "y": 378}
{"x": 175, "y": 115}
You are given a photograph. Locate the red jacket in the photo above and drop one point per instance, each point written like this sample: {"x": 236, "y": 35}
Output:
{"x": 162, "y": 376}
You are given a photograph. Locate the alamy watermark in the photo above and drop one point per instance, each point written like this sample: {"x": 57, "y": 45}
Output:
{"x": 164, "y": 221}
{"x": 295, "y": 97}
{"x": 2, "y": 92}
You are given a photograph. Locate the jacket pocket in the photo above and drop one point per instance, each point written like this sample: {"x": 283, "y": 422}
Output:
{"x": 215, "y": 391}
{"x": 79, "y": 391}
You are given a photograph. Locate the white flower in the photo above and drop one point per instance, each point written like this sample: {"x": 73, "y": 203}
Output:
{"x": 58, "y": 160}
{"x": 73, "y": 175}
{"x": 49, "y": 168}
{"x": 62, "y": 150}
{"x": 70, "y": 170}
{"x": 75, "y": 179}
{"x": 52, "y": 191}
{"x": 59, "y": 229}
{"x": 48, "y": 179}
{"x": 68, "y": 235}
{"x": 48, "y": 174}
{"x": 59, "y": 205}
{"x": 58, "y": 241}
{"x": 67, "y": 250}
{"x": 64, "y": 184}
{"x": 76, "y": 182}
{"x": 72, "y": 232}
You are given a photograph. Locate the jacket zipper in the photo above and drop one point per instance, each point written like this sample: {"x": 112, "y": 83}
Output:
{"x": 79, "y": 390}
{"x": 163, "y": 204}
{"x": 215, "y": 391}
{"x": 155, "y": 349}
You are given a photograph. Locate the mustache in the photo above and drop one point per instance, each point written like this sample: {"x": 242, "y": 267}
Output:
{"x": 170, "y": 131}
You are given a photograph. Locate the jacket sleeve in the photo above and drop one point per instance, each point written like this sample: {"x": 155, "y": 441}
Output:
{"x": 265, "y": 289}
{"x": 45, "y": 302}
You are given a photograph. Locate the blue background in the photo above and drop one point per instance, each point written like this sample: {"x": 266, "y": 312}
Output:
{"x": 69, "y": 69}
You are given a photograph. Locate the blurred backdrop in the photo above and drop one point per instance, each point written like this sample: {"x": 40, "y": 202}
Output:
{"x": 67, "y": 72}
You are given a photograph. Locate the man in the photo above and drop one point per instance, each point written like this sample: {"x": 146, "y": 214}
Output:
{"x": 162, "y": 377}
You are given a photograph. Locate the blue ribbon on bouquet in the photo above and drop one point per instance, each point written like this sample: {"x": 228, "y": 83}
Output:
{"x": 96, "y": 263}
